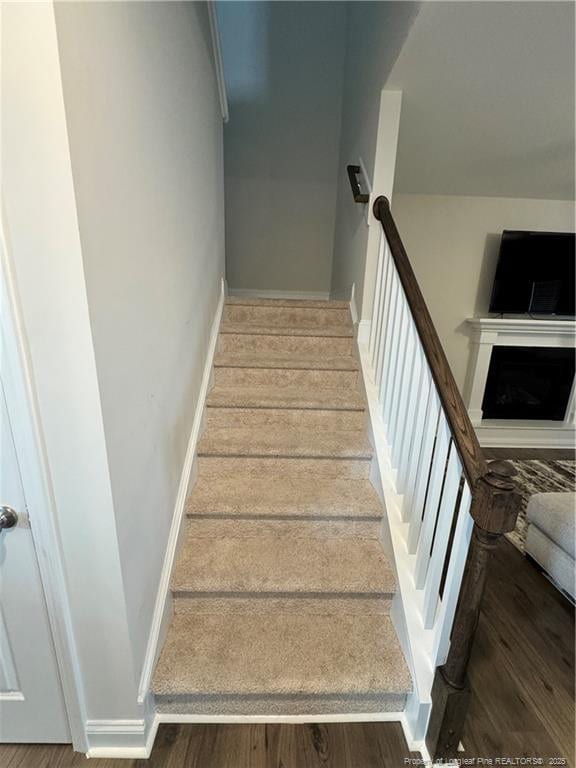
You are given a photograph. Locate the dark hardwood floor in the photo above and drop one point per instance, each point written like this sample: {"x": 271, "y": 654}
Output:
{"x": 522, "y": 678}
{"x": 242, "y": 746}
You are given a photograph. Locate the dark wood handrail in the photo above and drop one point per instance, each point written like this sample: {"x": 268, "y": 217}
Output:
{"x": 463, "y": 433}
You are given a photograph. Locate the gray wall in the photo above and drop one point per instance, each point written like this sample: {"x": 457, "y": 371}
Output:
{"x": 145, "y": 134}
{"x": 376, "y": 32}
{"x": 284, "y": 69}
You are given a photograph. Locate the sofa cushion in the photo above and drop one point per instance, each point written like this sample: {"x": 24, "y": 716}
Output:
{"x": 555, "y": 514}
{"x": 558, "y": 564}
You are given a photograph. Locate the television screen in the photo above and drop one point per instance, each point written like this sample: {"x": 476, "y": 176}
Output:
{"x": 535, "y": 274}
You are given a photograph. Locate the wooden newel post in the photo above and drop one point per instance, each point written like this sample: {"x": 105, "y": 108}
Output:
{"x": 495, "y": 507}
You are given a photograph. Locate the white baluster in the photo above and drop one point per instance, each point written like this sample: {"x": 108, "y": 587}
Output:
{"x": 408, "y": 469}
{"x": 376, "y": 309}
{"x": 398, "y": 421}
{"x": 408, "y": 418}
{"x": 454, "y": 575}
{"x": 391, "y": 310}
{"x": 424, "y": 469}
{"x": 395, "y": 357}
{"x": 431, "y": 506}
{"x": 440, "y": 544}
{"x": 400, "y": 377}
{"x": 379, "y": 352}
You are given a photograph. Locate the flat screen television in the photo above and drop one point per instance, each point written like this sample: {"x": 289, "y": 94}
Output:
{"x": 535, "y": 274}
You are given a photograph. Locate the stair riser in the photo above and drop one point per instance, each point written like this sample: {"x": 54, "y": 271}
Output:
{"x": 278, "y": 706}
{"x": 287, "y": 316}
{"x": 265, "y": 451}
{"x": 314, "y": 363}
{"x": 231, "y": 605}
{"x": 221, "y": 526}
{"x": 304, "y": 468}
{"x": 275, "y": 418}
{"x": 322, "y": 346}
{"x": 279, "y": 378}
{"x": 245, "y": 301}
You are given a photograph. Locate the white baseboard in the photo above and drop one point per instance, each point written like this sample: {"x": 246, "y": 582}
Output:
{"x": 257, "y": 293}
{"x": 163, "y": 606}
{"x": 134, "y": 739}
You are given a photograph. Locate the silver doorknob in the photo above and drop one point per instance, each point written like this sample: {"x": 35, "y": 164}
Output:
{"x": 8, "y": 518}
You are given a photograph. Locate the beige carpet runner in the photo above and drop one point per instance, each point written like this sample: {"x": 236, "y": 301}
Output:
{"x": 281, "y": 589}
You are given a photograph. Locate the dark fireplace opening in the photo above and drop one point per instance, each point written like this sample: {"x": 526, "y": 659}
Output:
{"x": 528, "y": 383}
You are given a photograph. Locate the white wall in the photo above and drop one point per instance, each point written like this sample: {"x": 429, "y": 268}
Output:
{"x": 453, "y": 242}
{"x": 39, "y": 218}
{"x": 376, "y": 32}
{"x": 146, "y": 147}
{"x": 284, "y": 68}
{"x": 112, "y": 200}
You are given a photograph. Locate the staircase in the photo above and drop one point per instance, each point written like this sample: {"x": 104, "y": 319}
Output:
{"x": 281, "y": 589}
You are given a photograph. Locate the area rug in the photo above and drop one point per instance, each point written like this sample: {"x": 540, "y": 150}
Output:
{"x": 535, "y": 476}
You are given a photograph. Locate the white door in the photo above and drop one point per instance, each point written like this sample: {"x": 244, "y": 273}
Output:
{"x": 31, "y": 702}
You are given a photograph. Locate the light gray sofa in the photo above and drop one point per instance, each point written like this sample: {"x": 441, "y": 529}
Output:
{"x": 551, "y": 537}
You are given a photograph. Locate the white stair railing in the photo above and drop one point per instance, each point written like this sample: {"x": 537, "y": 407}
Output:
{"x": 438, "y": 488}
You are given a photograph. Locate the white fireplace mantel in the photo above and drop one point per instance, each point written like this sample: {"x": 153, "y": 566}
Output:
{"x": 488, "y": 332}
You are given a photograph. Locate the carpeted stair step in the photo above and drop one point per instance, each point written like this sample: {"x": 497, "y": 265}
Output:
{"x": 282, "y": 378}
{"x": 288, "y": 443}
{"x": 264, "y": 603}
{"x": 283, "y": 565}
{"x": 265, "y": 344}
{"x": 267, "y": 495}
{"x": 286, "y": 360}
{"x": 295, "y": 467}
{"x": 237, "y": 328}
{"x": 293, "y": 317}
{"x": 307, "y": 303}
{"x": 281, "y": 662}
{"x": 286, "y": 397}
{"x": 220, "y": 526}
{"x": 280, "y": 418}
{"x": 281, "y": 590}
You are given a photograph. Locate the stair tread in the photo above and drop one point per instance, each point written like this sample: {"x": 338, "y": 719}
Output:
{"x": 286, "y": 397}
{"x": 244, "y": 494}
{"x": 283, "y": 565}
{"x": 286, "y": 330}
{"x": 287, "y": 442}
{"x": 304, "y": 303}
{"x": 275, "y": 653}
{"x": 300, "y": 362}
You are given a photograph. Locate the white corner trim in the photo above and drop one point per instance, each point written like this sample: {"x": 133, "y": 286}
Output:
{"x": 218, "y": 60}
{"x": 257, "y": 293}
{"x": 131, "y": 739}
{"x": 162, "y": 605}
{"x": 363, "y": 335}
